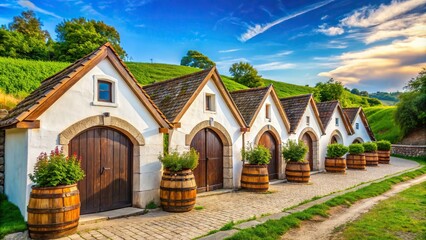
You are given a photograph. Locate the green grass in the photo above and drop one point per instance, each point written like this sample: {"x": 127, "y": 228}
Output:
{"x": 198, "y": 207}
{"x": 274, "y": 229}
{"x": 381, "y": 120}
{"x": 401, "y": 216}
{"x": 11, "y": 219}
{"x": 286, "y": 89}
{"x": 151, "y": 205}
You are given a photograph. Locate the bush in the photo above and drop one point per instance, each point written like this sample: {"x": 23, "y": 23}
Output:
{"x": 383, "y": 145}
{"x": 56, "y": 169}
{"x": 336, "y": 150}
{"x": 175, "y": 161}
{"x": 258, "y": 155}
{"x": 370, "y": 147}
{"x": 356, "y": 148}
{"x": 294, "y": 151}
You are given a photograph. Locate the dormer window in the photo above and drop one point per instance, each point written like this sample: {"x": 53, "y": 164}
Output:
{"x": 104, "y": 91}
{"x": 268, "y": 112}
{"x": 210, "y": 102}
{"x": 356, "y": 125}
{"x": 307, "y": 120}
{"x": 337, "y": 121}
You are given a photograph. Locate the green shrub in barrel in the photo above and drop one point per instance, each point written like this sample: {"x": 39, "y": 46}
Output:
{"x": 297, "y": 168}
{"x": 254, "y": 176}
{"x": 334, "y": 160}
{"x": 371, "y": 156}
{"x": 383, "y": 151}
{"x": 356, "y": 157}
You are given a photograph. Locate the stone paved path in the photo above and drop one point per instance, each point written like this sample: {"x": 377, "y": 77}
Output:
{"x": 220, "y": 209}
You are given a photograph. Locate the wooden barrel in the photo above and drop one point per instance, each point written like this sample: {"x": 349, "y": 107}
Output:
{"x": 255, "y": 178}
{"x": 53, "y": 212}
{"x": 384, "y": 157}
{"x": 355, "y": 161}
{"x": 335, "y": 165}
{"x": 178, "y": 191}
{"x": 371, "y": 158}
{"x": 298, "y": 172}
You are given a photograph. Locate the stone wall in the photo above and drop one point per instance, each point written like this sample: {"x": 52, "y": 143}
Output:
{"x": 2, "y": 138}
{"x": 409, "y": 150}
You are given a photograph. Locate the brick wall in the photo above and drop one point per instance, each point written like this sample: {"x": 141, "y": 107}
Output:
{"x": 409, "y": 150}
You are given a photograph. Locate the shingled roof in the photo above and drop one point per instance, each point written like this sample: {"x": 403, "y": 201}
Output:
{"x": 29, "y": 109}
{"x": 296, "y": 106}
{"x": 351, "y": 113}
{"x": 326, "y": 110}
{"x": 175, "y": 95}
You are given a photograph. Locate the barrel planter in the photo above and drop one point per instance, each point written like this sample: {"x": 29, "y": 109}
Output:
{"x": 371, "y": 159}
{"x": 298, "y": 172}
{"x": 255, "y": 177}
{"x": 355, "y": 161}
{"x": 53, "y": 212}
{"x": 335, "y": 165}
{"x": 384, "y": 157}
{"x": 178, "y": 191}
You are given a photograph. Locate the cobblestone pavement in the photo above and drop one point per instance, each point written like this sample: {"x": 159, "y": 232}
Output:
{"x": 220, "y": 209}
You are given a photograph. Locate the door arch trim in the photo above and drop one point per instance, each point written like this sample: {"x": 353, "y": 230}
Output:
{"x": 281, "y": 164}
{"x": 315, "y": 145}
{"x": 339, "y": 136}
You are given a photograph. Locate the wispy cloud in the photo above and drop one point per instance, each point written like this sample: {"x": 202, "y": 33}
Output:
{"x": 274, "y": 66}
{"x": 140, "y": 25}
{"x": 132, "y": 5}
{"x": 32, "y": 6}
{"x": 324, "y": 17}
{"x": 229, "y": 50}
{"x": 330, "y": 31}
{"x": 257, "y": 29}
{"x": 88, "y": 9}
{"x": 334, "y": 44}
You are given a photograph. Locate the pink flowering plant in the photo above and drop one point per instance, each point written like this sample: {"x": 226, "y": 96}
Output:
{"x": 56, "y": 169}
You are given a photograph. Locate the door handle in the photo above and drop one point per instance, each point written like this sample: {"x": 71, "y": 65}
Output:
{"x": 103, "y": 169}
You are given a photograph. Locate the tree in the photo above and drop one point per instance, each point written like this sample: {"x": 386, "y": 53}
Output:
{"x": 196, "y": 59}
{"x": 355, "y": 91}
{"x": 78, "y": 37}
{"x": 29, "y": 26}
{"x": 245, "y": 74}
{"x": 364, "y": 93}
{"x": 331, "y": 90}
{"x": 411, "y": 110}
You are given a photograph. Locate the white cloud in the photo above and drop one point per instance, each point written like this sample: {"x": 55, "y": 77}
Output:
{"x": 324, "y": 17}
{"x": 330, "y": 31}
{"x": 283, "y": 53}
{"x": 229, "y": 50}
{"x": 274, "y": 66}
{"x": 257, "y": 29}
{"x": 333, "y": 44}
{"x": 368, "y": 16}
{"x": 89, "y": 10}
{"x": 140, "y": 25}
{"x": 32, "y": 6}
{"x": 132, "y": 5}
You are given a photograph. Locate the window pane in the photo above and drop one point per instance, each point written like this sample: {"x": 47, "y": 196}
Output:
{"x": 104, "y": 91}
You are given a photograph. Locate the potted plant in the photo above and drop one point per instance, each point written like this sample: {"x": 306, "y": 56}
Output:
{"x": 334, "y": 161}
{"x": 178, "y": 189}
{"x": 254, "y": 176}
{"x": 356, "y": 158}
{"x": 383, "y": 151}
{"x": 297, "y": 168}
{"x": 54, "y": 205}
{"x": 371, "y": 156}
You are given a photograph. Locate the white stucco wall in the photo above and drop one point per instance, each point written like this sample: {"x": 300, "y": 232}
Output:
{"x": 77, "y": 104}
{"x": 329, "y": 132}
{"x": 196, "y": 114}
{"x": 359, "y": 133}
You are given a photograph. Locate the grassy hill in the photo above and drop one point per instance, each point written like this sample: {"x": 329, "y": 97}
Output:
{"x": 382, "y": 123}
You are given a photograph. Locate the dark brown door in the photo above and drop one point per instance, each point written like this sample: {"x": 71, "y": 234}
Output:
{"x": 334, "y": 140}
{"x": 309, "y": 156}
{"x": 106, "y": 160}
{"x": 268, "y": 141}
{"x": 209, "y": 173}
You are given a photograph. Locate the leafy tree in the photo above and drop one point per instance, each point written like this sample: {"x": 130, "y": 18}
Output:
{"x": 79, "y": 36}
{"x": 411, "y": 110}
{"x": 364, "y": 93}
{"x": 355, "y": 91}
{"x": 196, "y": 59}
{"x": 29, "y": 26}
{"x": 245, "y": 74}
{"x": 331, "y": 90}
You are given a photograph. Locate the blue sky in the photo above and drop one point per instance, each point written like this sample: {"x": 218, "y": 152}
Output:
{"x": 370, "y": 45}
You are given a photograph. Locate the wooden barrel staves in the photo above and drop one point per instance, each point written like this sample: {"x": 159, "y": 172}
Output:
{"x": 335, "y": 165}
{"x": 178, "y": 191}
{"x": 356, "y": 161}
{"x": 53, "y": 212}
{"x": 298, "y": 172}
{"x": 371, "y": 159}
{"x": 255, "y": 178}
{"x": 384, "y": 157}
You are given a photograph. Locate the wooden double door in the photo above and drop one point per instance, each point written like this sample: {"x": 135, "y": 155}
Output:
{"x": 268, "y": 141}
{"x": 310, "y": 155}
{"x": 106, "y": 156}
{"x": 209, "y": 172}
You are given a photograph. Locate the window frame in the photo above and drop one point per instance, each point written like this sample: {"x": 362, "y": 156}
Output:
{"x": 308, "y": 119}
{"x": 109, "y": 90}
{"x": 210, "y": 102}
{"x": 268, "y": 112}
{"x": 336, "y": 121}
{"x": 97, "y": 79}
{"x": 357, "y": 126}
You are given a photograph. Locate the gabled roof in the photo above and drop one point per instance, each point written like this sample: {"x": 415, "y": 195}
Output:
{"x": 250, "y": 101}
{"x": 174, "y": 96}
{"x": 351, "y": 113}
{"x": 52, "y": 88}
{"x": 326, "y": 110}
{"x": 296, "y": 106}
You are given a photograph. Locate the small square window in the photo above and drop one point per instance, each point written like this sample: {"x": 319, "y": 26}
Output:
{"x": 104, "y": 91}
{"x": 337, "y": 121}
{"x": 268, "y": 111}
{"x": 307, "y": 120}
{"x": 210, "y": 103}
{"x": 356, "y": 125}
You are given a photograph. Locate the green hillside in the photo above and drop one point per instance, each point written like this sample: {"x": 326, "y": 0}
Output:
{"x": 381, "y": 120}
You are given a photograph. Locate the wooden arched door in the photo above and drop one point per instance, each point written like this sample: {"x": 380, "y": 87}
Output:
{"x": 268, "y": 141}
{"x": 334, "y": 139}
{"x": 106, "y": 160}
{"x": 310, "y": 155}
{"x": 209, "y": 173}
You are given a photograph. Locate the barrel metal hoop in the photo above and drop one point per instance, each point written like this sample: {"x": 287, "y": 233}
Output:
{"x": 52, "y": 225}
{"x": 57, "y": 195}
{"x": 172, "y": 179}
{"x": 255, "y": 183}
{"x": 178, "y": 189}
{"x": 53, "y": 210}
{"x": 178, "y": 200}
{"x": 255, "y": 175}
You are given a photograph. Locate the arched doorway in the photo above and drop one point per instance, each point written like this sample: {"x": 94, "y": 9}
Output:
{"x": 209, "y": 173}
{"x": 310, "y": 155}
{"x": 336, "y": 137}
{"x": 268, "y": 141}
{"x": 106, "y": 155}
{"x": 358, "y": 140}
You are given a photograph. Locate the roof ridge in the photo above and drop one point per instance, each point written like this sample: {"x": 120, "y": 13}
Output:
{"x": 177, "y": 78}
